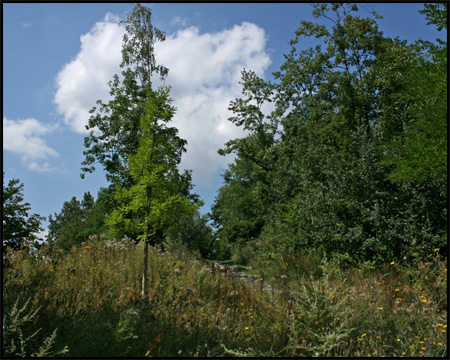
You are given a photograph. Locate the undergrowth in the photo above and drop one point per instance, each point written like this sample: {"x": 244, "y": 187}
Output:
{"x": 89, "y": 301}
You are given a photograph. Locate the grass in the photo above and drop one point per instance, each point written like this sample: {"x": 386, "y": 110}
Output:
{"x": 91, "y": 297}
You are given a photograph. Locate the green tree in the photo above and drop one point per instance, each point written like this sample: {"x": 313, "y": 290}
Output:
{"x": 17, "y": 224}
{"x": 418, "y": 150}
{"x": 114, "y": 126}
{"x": 156, "y": 200}
{"x": 76, "y": 222}
{"x": 324, "y": 166}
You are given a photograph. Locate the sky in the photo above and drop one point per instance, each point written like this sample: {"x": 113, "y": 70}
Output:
{"x": 59, "y": 58}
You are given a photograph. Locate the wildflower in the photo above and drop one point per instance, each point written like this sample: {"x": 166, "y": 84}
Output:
{"x": 399, "y": 299}
{"x": 377, "y": 337}
{"x": 363, "y": 335}
{"x": 436, "y": 250}
{"x": 443, "y": 331}
{"x": 246, "y": 328}
{"x": 398, "y": 340}
{"x": 421, "y": 297}
{"x": 440, "y": 344}
{"x": 444, "y": 326}
{"x": 392, "y": 263}
{"x": 403, "y": 353}
{"x": 439, "y": 324}
{"x": 397, "y": 290}
{"x": 380, "y": 308}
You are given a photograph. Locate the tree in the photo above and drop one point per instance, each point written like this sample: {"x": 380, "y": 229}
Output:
{"x": 76, "y": 222}
{"x": 155, "y": 201}
{"x": 338, "y": 163}
{"x": 418, "y": 151}
{"x": 114, "y": 125}
{"x": 17, "y": 225}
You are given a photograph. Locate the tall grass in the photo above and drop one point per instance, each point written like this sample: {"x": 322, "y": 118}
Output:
{"x": 91, "y": 295}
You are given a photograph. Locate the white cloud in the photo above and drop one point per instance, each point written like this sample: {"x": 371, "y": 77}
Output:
{"x": 177, "y": 20}
{"x": 85, "y": 79}
{"x": 204, "y": 72}
{"x": 24, "y": 138}
{"x": 26, "y": 24}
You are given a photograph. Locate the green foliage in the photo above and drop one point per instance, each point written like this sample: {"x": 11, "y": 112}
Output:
{"x": 17, "y": 225}
{"x": 76, "y": 222}
{"x": 159, "y": 194}
{"x": 114, "y": 126}
{"x": 352, "y": 157}
{"x": 19, "y": 340}
{"x": 193, "y": 231}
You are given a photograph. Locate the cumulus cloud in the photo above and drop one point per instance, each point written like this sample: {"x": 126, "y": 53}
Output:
{"x": 24, "y": 138}
{"x": 85, "y": 79}
{"x": 204, "y": 72}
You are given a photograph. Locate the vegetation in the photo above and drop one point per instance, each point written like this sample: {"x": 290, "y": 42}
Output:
{"x": 17, "y": 225}
{"x": 92, "y": 296}
{"x": 352, "y": 157}
{"x": 334, "y": 209}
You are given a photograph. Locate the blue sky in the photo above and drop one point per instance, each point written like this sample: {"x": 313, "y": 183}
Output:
{"x": 58, "y": 58}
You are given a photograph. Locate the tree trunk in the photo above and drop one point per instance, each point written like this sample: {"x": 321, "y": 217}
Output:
{"x": 144, "y": 276}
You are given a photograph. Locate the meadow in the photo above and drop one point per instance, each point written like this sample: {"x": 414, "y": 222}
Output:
{"x": 88, "y": 303}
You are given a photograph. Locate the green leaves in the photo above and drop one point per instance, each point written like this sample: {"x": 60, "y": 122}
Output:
{"x": 138, "y": 44}
{"x": 157, "y": 196}
{"x": 17, "y": 225}
{"x": 356, "y": 120}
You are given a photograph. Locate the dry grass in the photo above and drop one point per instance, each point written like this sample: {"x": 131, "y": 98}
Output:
{"x": 92, "y": 296}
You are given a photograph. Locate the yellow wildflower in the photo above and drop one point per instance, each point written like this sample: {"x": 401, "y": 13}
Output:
{"x": 436, "y": 250}
{"x": 392, "y": 263}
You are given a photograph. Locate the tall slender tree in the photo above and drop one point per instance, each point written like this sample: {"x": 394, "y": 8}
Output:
{"x": 114, "y": 125}
{"x": 155, "y": 201}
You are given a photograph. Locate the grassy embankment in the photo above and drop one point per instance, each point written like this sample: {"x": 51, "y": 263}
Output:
{"x": 91, "y": 296}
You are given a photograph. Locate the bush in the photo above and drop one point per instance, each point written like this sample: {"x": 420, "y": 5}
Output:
{"x": 20, "y": 337}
